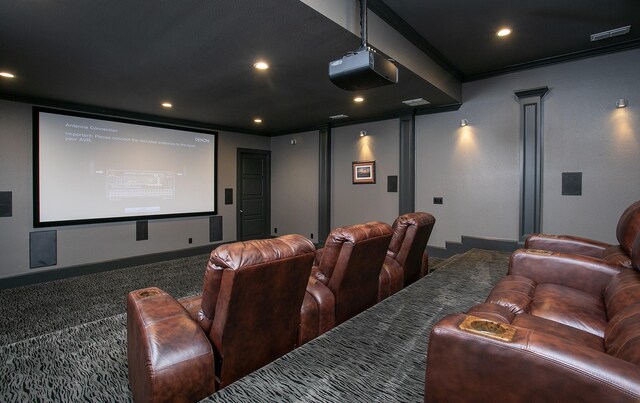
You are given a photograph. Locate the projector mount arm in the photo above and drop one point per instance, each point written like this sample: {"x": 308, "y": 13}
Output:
{"x": 363, "y": 26}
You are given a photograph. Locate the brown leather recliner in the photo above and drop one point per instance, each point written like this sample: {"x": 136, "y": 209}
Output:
{"x": 344, "y": 278}
{"x": 627, "y": 230}
{"x": 247, "y": 316}
{"x": 558, "y": 327}
{"x": 407, "y": 259}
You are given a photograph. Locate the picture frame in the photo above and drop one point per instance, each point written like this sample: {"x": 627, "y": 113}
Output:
{"x": 363, "y": 172}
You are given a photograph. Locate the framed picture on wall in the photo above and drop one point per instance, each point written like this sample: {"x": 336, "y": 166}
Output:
{"x": 363, "y": 172}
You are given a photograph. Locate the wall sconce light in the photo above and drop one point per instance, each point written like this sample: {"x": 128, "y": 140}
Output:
{"x": 294, "y": 142}
{"x": 621, "y": 103}
{"x": 363, "y": 133}
{"x": 464, "y": 122}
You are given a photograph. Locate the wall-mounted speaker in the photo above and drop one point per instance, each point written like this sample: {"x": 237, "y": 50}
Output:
{"x": 572, "y": 183}
{"x": 392, "y": 183}
{"x": 142, "y": 230}
{"x": 43, "y": 248}
{"x": 215, "y": 228}
{"x": 5, "y": 204}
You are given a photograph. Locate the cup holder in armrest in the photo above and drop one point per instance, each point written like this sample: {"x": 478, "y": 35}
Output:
{"x": 489, "y": 328}
{"x": 148, "y": 293}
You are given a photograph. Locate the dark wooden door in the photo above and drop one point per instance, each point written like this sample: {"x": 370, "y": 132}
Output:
{"x": 254, "y": 194}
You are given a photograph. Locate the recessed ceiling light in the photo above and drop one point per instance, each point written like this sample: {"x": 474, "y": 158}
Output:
{"x": 257, "y": 120}
{"x": 167, "y": 104}
{"x": 504, "y": 32}
{"x": 358, "y": 99}
{"x": 261, "y": 65}
{"x": 6, "y": 75}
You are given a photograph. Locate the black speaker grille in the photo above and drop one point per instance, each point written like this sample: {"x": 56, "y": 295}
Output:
{"x": 5, "y": 204}
{"x": 215, "y": 228}
{"x": 572, "y": 183}
{"x": 142, "y": 230}
{"x": 392, "y": 183}
{"x": 43, "y": 248}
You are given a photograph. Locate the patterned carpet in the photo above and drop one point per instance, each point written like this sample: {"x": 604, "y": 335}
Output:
{"x": 69, "y": 347}
{"x": 38, "y": 309}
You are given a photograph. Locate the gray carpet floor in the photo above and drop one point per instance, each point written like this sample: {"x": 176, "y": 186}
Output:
{"x": 78, "y": 350}
{"x": 38, "y": 309}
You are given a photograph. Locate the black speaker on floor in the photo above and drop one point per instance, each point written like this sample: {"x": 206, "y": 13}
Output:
{"x": 572, "y": 183}
{"x": 43, "y": 248}
{"x": 142, "y": 230}
{"x": 215, "y": 228}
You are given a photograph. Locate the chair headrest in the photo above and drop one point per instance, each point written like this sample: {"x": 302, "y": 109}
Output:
{"x": 358, "y": 232}
{"x": 405, "y": 221}
{"x": 629, "y": 227}
{"x": 240, "y": 254}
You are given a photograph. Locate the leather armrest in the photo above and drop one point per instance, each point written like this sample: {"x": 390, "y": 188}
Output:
{"x": 169, "y": 356}
{"x": 326, "y": 304}
{"x": 309, "y": 320}
{"x": 567, "y": 244}
{"x": 424, "y": 269}
{"x": 466, "y": 366}
{"x": 193, "y": 305}
{"x": 391, "y": 279}
{"x": 584, "y": 273}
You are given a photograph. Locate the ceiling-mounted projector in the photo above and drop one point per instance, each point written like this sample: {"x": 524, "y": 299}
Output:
{"x": 362, "y": 70}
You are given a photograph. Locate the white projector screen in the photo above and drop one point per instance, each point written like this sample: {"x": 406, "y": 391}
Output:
{"x": 99, "y": 169}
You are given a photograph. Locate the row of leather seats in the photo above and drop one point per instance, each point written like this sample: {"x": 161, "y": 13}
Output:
{"x": 563, "y": 325}
{"x": 361, "y": 265}
{"x": 263, "y": 298}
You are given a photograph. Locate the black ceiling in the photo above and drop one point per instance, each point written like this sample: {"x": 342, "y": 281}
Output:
{"x": 130, "y": 56}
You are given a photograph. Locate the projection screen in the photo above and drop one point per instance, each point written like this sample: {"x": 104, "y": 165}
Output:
{"x": 90, "y": 168}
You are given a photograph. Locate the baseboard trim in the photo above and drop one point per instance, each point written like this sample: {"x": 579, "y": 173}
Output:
{"x": 471, "y": 242}
{"x": 439, "y": 252}
{"x": 80, "y": 270}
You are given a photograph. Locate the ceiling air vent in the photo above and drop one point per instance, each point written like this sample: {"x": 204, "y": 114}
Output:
{"x": 610, "y": 33}
{"x": 416, "y": 102}
{"x": 341, "y": 116}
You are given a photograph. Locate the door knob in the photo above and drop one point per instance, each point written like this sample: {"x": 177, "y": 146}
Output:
{"x": 241, "y": 211}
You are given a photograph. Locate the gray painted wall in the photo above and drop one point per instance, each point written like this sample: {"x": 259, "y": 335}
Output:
{"x": 477, "y": 168}
{"x": 294, "y": 184}
{"x": 353, "y": 204}
{"x": 98, "y": 242}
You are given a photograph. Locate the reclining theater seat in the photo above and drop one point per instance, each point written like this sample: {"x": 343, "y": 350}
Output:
{"x": 248, "y": 316}
{"x": 407, "y": 259}
{"x": 344, "y": 278}
{"x": 558, "y": 327}
{"x": 627, "y": 230}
